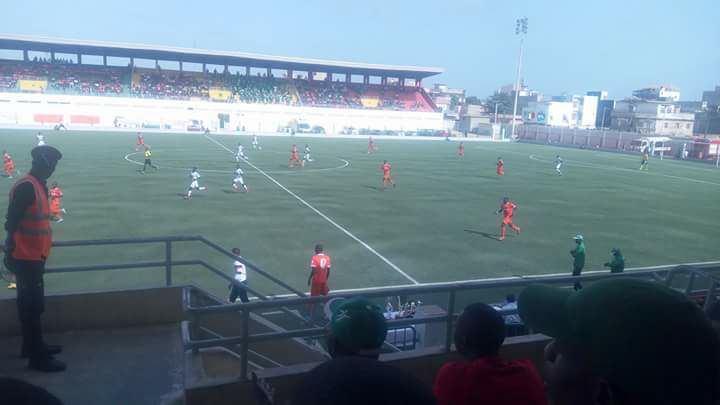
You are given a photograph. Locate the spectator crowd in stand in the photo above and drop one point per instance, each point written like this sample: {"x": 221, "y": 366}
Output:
{"x": 327, "y": 94}
{"x": 259, "y": 90}
{"x": 64, "y": 76}
{"x": 170, "y": 85}
{"x": 621, "y": 341}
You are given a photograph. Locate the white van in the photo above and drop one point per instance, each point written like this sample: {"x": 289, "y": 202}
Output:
{"x": 656, "y": 145}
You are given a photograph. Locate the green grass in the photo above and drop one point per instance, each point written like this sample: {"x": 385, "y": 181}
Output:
{"x": 437, "y": 225}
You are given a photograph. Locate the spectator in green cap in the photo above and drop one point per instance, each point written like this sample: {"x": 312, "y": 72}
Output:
{"x": 578, "y": 255}
{"x": 617, "y": 264}
{"x": 357, "y": 328}
{"x": 624, "y": 342}
{"x": 354, "y": 376}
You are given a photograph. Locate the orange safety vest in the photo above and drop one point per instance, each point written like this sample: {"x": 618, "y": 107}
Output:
{"x": 33, "y": 237}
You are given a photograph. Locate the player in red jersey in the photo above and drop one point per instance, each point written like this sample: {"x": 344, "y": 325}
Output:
{"x": 140, "y": 142}
{"x": 294, "y": 157}
{"x": 500, "y": 167}
{"x": 387, "y": 177}
{"x": 319, "y": 272}
{"x": 9, "y": 164}
{"x": 371, "y": 146}
{"x": 461, "y": 149}
{"x": 56, "y": 209}
{"x": 507, "y": 208}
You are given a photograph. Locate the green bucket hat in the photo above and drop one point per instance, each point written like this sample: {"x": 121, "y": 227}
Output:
{"x": 647, "y": 340}
{"x": 358, "y": 324}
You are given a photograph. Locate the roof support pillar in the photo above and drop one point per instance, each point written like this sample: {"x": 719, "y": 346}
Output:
{"x": 180, "y": 65}
{"x": 132, "y": 61}
{"x": 418, "y": 82}
{"x": 247, "y": 70}
{"x": 268, "y": 72}
{"x": 25, "y": 55}
{"x": 290, "y": 74}
{"x": 52, "y": 57}
{"x": 226, "y": 69}
{"x": 204, "y": 67}
{"x": 328, "y": 77}
{"x": 401, "y": 81}
{"x": 347, "y": 78}
{"x": 104, "y": 60}
{"x": 366, "y": 79}
{"x": 79, "y": 59}
{"x": 311, "y": 76}
{"x": 383, "y": 80}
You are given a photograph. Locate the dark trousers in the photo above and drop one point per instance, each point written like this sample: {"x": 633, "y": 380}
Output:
{"x": 237, "y": 291}
{"x": 576, "y": 272}
{"x": 147, "y": 163}
{"x": 31, "y": 305}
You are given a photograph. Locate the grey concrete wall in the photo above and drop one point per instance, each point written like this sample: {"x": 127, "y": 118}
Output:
{"x": 96, "y": 310}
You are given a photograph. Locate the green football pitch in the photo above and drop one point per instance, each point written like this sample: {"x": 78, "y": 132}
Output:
{"x": 439, "y": 224}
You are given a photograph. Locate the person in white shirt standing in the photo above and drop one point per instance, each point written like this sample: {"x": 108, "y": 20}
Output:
{"x": 237, "y": 288}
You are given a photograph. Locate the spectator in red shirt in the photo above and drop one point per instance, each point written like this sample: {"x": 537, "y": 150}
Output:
{"x": 483, "y": 377}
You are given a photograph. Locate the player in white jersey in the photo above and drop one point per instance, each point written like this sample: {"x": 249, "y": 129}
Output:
{"x": 194, "y": 185}
{"x": 40, "y": 139}
{"x": 240, "y": 153}
{"x": 306, "y": 155}
{"x": 238, "y": 181}
{"x": 256, "y": 143}
{"x": 558, "y": 164}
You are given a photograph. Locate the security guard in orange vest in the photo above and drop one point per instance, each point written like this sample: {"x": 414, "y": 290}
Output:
{"x": 27, "y": 247}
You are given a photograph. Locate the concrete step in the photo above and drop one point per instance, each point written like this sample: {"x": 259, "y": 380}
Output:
{"x": 138, "y": 365}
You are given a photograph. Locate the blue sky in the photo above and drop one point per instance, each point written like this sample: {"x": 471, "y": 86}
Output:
{"x": 572, "y": 46}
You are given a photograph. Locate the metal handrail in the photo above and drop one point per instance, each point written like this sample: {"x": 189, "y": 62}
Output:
{"x": 427, "y": 289}
{"x": 449, "y": 318}
{"x": 168, "y": 263}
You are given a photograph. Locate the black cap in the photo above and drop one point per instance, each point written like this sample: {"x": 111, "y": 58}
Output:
{"x": 45, "y": 154}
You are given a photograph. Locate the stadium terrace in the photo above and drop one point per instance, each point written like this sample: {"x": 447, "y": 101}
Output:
{"x": 53, "y": 72}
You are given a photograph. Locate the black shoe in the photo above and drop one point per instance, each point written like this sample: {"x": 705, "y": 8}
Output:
{"x": 47, "y": 365}
{"x": 49, "y": 349}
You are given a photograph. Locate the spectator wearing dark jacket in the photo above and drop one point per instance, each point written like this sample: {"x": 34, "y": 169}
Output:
{"x": 483, "y": 377}
{"x": 354, "y": 376}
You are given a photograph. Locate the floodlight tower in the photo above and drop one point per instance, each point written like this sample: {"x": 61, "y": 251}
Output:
{"x": 521, "y": 28}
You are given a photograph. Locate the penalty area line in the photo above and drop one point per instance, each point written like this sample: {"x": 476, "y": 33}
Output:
{"x": 325, "y": 217}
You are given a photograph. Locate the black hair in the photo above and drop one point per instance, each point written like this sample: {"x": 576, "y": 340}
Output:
{"x": 19, "y": 392}
{"x": 480, "y": 331}
{"x": 510, "y": 298}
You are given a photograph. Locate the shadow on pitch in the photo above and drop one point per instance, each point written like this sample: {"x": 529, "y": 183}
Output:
{"x": 485, "y": 234}
{"x": 376, "y": 188}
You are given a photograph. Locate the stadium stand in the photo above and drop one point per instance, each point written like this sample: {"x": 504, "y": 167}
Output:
{"x": 67, "y": 78}
{"x": 259, "y": 90}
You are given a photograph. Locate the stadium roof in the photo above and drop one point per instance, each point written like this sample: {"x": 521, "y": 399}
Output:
{"x": 194, "y": 55}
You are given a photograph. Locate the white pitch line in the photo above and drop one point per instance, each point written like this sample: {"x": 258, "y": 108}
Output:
{"x": 623, "y": 169}
{"x": 325, "y": 217}
{"x": 342, "y": 166}
{"x": 528, "y": 277}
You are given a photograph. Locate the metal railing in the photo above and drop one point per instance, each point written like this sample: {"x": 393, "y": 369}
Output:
{"x": 169, "y": 263}
{"x": 666, "y": 275}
